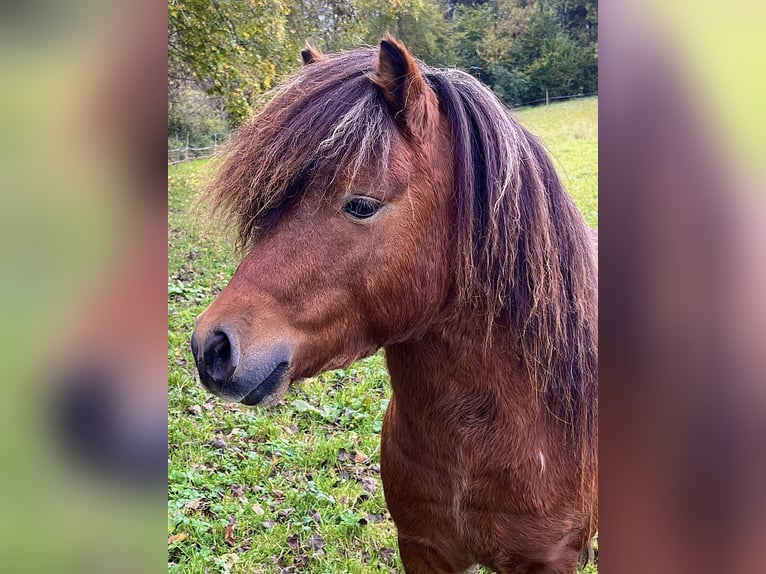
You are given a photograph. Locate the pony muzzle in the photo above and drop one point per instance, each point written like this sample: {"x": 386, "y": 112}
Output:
{"x": 252, "y": 378}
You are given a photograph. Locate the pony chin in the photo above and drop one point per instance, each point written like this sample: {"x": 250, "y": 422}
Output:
{"x": 267, "y": 391}
{"x": 265, "y": 395}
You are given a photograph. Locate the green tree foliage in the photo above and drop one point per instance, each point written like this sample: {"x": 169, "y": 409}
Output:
{"x": 198, "y": 114}
{"x": 467, "y": 42}
{"x": 523, "y": 49}
{"x": 329, "y": 25}
{"x": 420, "y": 24}
{"x": 344, "y": 24}
{"x": 235, "y": 48}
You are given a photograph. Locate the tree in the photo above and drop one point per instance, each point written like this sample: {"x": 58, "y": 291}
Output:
{"x": 525, "y": 48}
{"x": 235, "y": 48}
{"x": 468, "y": 45}
{"x": 330, "y": 25}
{"x": 420, "y": 24}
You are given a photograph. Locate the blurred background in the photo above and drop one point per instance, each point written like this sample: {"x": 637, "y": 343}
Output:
{"x": 83, "y": 252}
{"x": 82, "y": 287}
{"x": 682, "y": 251}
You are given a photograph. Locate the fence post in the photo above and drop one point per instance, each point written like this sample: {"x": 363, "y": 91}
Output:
{"x": 546, "y": 97}
{"x": 186, "y": 153}
{"x": 215, "y": 143}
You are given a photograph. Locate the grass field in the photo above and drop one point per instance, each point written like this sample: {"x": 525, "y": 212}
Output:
{"x": 295, "y": 488}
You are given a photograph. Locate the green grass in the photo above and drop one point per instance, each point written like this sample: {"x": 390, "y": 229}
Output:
{"x": 295, "y": 486}
{"x": 569, "y": 130}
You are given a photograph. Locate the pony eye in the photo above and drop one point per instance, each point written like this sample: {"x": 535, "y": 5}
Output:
{"x": 361, "y": 207}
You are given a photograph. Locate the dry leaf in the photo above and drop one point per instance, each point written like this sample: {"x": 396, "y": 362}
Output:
{"x": 180, "y": 537}
{"x": 293, "y": 541}
{"x": 359, "y": 456}
{"x": 369, "y": 484}
{"x": 387, "y": 555}
{"x": 229, "y": 534}
{"x": 284, "y": 513}
{"x": 315, "y": 542}
{"x": 257, "y": 509}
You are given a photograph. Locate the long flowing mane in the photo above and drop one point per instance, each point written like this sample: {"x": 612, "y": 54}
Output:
{"x": 525, "y": 255}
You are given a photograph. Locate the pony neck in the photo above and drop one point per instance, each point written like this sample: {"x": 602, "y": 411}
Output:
{"x": 456, "y": 361}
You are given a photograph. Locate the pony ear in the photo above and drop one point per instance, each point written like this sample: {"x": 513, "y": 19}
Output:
{"x": 310, "y": 54}
{"x": 409, "y": 98}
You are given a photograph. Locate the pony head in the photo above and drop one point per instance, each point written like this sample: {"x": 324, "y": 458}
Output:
{"x": 342, "y": 193}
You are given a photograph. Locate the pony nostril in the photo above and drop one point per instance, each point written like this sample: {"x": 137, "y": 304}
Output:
{"x": 219, "y": 357}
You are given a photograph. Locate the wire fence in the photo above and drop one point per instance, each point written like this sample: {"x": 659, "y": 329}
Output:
{"x": 181, "y": 154}
{"x": 548, "y": 99}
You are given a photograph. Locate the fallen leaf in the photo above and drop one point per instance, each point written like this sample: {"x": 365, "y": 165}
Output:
{"x": 284, "y": 513}
{"x": 257, "y": 509}
{"x": 229, "y": 534}
{"x": 195, "y": 410}
{"x": 370, "y": 484}
{"x": 219, "y": 443}
{"x": 268, "y": 524}
{"x": 293, "y": 541}
{"x": 387, "y": 555}
{"x": 359, "y": 456}
{"x": 343, "y": 455}
{"x": 180, "y": 537}
{"x": 302, "y": 406}
{"x": 237, "y": 490}
{"x": 278, "y": 493}
{"x": 315, "y": 542}
{"x": 193, "y": 505}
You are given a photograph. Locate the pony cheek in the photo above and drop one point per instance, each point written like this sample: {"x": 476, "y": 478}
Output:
{"x": 419, "y": 293}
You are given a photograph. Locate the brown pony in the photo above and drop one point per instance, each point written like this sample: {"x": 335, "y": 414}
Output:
{"x": 388, "y": 204}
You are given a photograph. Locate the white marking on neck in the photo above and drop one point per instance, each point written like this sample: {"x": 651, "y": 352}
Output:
{"x": 542, "y": 462}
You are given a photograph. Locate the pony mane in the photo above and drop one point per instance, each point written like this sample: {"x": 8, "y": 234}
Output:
{"x": 525, "y": 257}
{"x": 526, "y": 254}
